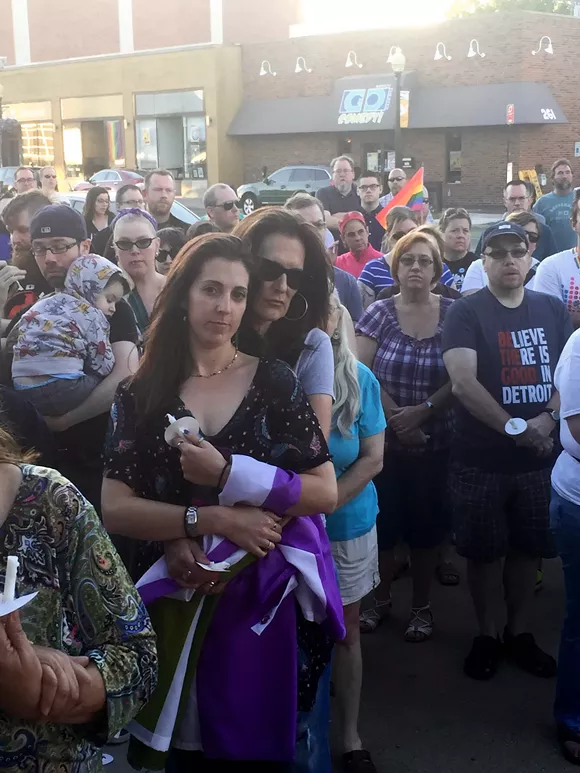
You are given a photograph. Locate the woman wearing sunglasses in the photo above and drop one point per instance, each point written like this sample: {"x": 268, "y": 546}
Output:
{"x": 171, "y": 240}
{"x": 476, "y": 278}
{"x": 136, "y": 247}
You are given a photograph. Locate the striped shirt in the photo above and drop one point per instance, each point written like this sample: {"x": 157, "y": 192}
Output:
{"x": 377, "y": 275}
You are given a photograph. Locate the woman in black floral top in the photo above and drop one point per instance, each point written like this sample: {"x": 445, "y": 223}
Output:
{"x": 244, "y": 406}
{"x": 86, "y": 633}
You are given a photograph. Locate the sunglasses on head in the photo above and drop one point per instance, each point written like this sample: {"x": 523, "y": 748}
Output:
{"x": 229, "y": 205}
{"x": 164, "y": 255}
{"x": 270, "y": 270}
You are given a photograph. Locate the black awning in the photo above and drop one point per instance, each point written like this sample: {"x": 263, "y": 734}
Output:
{"x": 485, "y": 105}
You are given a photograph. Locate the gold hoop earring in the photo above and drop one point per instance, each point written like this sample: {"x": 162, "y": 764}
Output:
{"x": 297, "y": 319}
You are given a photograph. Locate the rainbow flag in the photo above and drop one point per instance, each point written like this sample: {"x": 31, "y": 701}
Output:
{"x": 410, "y": 196}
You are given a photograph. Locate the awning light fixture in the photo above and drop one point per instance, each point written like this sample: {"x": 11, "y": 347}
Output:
{"x": 474, "y": 49}
{"x": 441, "y": 52}
{"x": 352, "y": 61}
{"x": 302, "y": 67}
{"x": 266, "y": 68}
{"x": 549, "y": 49}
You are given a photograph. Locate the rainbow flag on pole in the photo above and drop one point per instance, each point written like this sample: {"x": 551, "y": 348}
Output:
{"x": 410, "y": 196}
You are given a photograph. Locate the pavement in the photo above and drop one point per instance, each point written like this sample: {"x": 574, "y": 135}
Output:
{"x": 420, "y": 713}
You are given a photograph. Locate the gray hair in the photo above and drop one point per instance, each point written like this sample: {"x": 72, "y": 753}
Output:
{"x": 209, "y": 197}
{"x": 303, "y": 201}
{"x": 348, "y": 160}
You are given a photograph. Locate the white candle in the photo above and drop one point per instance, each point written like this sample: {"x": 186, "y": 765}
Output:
{"x": 10, "y": 580}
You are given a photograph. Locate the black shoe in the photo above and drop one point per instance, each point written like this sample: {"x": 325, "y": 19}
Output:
{"x": 484, "y": 659}
{"x": 523, "y": 651}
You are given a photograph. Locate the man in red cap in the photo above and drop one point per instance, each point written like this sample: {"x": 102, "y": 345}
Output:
{"x": 355, "y": 236}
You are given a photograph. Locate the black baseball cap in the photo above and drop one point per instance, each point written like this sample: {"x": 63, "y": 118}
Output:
{"x": 58, "y": 220}
{"x": 503, "y": 228}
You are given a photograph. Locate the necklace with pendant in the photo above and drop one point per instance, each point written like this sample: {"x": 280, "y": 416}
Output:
{"x": 217, "y": 372}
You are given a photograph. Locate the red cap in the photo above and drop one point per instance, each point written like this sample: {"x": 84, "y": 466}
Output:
{"x": 351, "y": 216}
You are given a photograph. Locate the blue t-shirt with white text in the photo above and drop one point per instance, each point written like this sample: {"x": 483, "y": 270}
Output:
{"x": 556, "y": 210}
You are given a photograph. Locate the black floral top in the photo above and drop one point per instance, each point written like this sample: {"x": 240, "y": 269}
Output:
{"x": 274, "y": 423}
{"x": 86, "y": 605}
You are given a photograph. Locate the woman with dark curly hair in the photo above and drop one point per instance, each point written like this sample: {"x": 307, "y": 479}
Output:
{"x": 289, "y": 305}
{"x": 97, "y": 210}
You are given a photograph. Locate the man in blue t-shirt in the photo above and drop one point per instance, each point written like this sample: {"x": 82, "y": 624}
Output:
{"x": 556, "y": 206}
{"x": 501, "y": 347}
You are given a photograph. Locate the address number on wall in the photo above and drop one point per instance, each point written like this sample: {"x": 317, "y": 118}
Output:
{"x": 548, "y": 114}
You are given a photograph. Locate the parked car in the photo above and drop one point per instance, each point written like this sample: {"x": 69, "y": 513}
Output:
{"x": 278, "y": 187}
{"x": 76, "y": 200}
{"x": 111, "y": 179}
{"x": 8, "y": 173}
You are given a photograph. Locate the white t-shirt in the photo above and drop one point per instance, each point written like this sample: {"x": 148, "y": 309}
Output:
{"x": 566, "y": 472}
{"x": 559, "y": 275}
{"x": 476, "y": 278}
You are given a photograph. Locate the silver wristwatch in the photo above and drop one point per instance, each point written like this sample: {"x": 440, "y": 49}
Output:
{"x": 190, "y": 522}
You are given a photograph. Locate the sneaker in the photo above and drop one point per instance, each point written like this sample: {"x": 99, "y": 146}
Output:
{"x": 523, "y": 651}
{"x": 484, "y": 659}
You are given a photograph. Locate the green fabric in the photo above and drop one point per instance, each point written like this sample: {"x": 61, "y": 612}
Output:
{"x": 139, "y": 310}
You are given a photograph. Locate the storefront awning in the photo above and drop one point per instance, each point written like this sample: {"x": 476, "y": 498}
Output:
{"x": 364, "y": 103}
{"x": 357, "y": 103}
{"x": 485, "y": 105}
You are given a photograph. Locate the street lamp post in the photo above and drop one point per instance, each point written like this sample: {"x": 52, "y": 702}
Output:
{"x": 398, "y": 61}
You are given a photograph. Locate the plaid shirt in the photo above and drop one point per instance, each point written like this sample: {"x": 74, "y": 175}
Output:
{"x": 409, "y": 370}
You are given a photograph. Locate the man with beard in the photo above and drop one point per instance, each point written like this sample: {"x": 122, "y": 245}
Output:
{"x": 21, "y": 282}
{"x": 556, "y": 206}
{"x": 340, "y": 197}
{"x": 159, "y": 196}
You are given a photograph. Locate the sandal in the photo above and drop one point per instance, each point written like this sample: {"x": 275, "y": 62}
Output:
{"x": 420, "y": 626}
{"x": 447, "y": 574}
{"x": 567, "y": 736}
{"x": 358, "y": 761}
{"x": 372, "y": 617}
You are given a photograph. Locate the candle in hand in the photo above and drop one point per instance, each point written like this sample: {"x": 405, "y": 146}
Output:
{"x": 10, "y": 580}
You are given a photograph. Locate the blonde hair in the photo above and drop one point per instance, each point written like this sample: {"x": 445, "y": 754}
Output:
{"x": 10, "y": 452}
{"x": 346, "y": 387}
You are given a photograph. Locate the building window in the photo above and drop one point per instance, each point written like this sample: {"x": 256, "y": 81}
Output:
{"x": 38, "y": 144}
{"x": 453, "y": 171}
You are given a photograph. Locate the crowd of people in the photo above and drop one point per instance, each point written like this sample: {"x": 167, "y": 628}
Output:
{"x": 221, "y": 444}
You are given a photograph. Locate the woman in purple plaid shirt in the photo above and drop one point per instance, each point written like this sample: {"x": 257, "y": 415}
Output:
{"x": 400, "y": 340}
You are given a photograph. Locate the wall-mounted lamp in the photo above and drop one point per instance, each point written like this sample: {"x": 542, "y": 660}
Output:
{"x": 266, "y": 68}
{"x": 391, "y": 52}
{"x": 549, "y": 49}
{"x": 474, "y": 49}
{"x": 352, "y": 61}
{"x": 302, "y": 67}
{"x": 441, "y": 52}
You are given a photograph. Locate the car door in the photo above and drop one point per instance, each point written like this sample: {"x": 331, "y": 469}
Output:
{"x": 301, "y": 180}
{"x": 276, "y": 191}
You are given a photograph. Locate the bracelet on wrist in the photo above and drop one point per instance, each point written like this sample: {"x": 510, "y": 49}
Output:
{"x": 221, "y": 477}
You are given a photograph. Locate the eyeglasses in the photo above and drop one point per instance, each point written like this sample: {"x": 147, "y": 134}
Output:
{"x": 422, "y": 260}
{"x": 24, "y": 180}
{"x": 270, "y": 270}
{"x": 229, "y": 205}
{"x": 39, "y": 250}
{"x": 126, "y": 245}
{"x": 372, "y": 187}
{"x": 164, "y": 255}
{"x": 49, "y": 176}
{"x": 533, "y": 238}
{"x": 517, "y": 253}
{"x": 399, "y": 235}
{"x": 396, "y": 179}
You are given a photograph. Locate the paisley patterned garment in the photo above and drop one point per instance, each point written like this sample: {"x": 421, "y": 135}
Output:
{"x": 86, "y": 605}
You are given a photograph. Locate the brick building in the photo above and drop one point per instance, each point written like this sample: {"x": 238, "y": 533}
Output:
{"x": 460, "y": 135}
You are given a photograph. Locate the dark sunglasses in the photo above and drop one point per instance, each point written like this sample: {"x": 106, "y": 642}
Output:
{"x": 270, "y": 270}
{"x": 164, "y": 255}
{"x": 126, "y": 245}
{"x": 229, "y": 205}
{"x": 533, "y": 238}
{"x": 49, "y": 176}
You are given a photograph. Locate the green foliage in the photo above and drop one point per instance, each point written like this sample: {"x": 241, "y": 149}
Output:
{"x": 461, "y": 8}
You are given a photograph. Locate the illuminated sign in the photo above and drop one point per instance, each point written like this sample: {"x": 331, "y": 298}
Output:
{"x": 364, "y": 105}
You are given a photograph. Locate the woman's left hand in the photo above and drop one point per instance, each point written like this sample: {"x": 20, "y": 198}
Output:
{"x": 201, "y": 463}
{"x": 408, "y": 419}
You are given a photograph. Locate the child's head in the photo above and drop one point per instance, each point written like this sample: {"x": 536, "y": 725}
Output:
{"x": 97, "y": 281}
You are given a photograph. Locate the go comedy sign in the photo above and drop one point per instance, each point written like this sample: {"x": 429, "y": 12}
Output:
{"x": 360, "y": 106}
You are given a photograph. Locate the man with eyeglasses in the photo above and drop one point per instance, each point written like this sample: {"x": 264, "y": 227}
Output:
{"x": 501, "y": 347}
{"x": 340, "y": 197}
{"x": 556, "y": 206}
{"x": 222, "y": 207}
{"x": 159, "y": 194}
{"x": 24, "y": 180}
{"x": 369, "y": 190}
{"x": 517, "y": 197}
{"x": 559, "y": 275}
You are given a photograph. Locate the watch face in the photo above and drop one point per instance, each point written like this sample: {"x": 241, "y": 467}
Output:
{"x": 555, "y": 415}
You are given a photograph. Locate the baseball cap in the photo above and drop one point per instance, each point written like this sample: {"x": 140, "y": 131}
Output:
{"x": 351, "y": 216}
{"x": 503, "y": 228}
{"x": 58, "y": 220}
